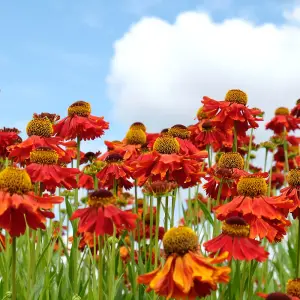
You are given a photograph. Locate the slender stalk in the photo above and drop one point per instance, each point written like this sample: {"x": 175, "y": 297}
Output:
{"x": 100, "y": 269}
{"x": 135, "y": 197}
{"x": 13, "y": 269}
{"x": 298, "y": 252}
{"x": 156, "y": 231}
{"x": 208, "y": 154}
{"x": 234, "y": 145}
{"x": 166, "y": 213}
{"x": 286, "y": 160}
{"x": 173, "y": 208}
{"x": 151, "y": 229}
{"x": 270, "y": 176}
{"x": 266, "y": 159}
{"x": 249, "y": 151}
{"x": 216, "y": 229}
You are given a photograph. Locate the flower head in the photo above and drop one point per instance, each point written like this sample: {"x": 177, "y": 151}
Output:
{"x": 40, "y": 126}
{"x": 236, "y": 96}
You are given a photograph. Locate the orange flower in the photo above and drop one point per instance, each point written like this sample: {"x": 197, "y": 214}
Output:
{"x": 44, "y": 168}
{"x": 102, "y": 214}
{"x": 235, "y": 240}
{"x": 165, "y": 162}
{"x": 18, "y": 205}
{"x": 228, "y": 170}
{"x": 232, "y": 112}
{"x": 115, "y": 169}
{"x": 80, "y": 123}
{"x": 262, "y": 213}
{"x": 292, "y": 192}
{"x": 39, "y": 130}
{"x": 283, "y": 121}
{"x": 8, "y": 137}
{"x": 186, "y": 273}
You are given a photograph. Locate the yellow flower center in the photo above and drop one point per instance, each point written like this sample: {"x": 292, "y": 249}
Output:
{"x": 15, "y": 180}
{"x": 293, "y": 287}
{"x": 252, "y": 186}
{"x": 44, "y": 156}
{"x": 268, "y": 145}
{"x": 293, "y": 177}
{"x": 236, "y": 226}
{"x": 282, "y": 111}
{"x": 114, "y": 158}
{"x": 79, "y": 108}
{"x": 136, "y": 137}
{"x": 101, "y": 198}
{"x": 236, "y": 96}
{"x": 40, "y": 127}
{"x": 180, "y": 240}
{"x": 138, "y": 125}
{"x": 278, "y": 296}
{"x": 201, "y": 114}
{"x": 179, "y": 131}
{"x": 166, "y": 145}
{"x": 230, "y": 160}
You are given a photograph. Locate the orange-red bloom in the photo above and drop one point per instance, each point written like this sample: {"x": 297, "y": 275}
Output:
{"x": 262, "y": 213}
{"x": 44, "y": 168}
{"x": 102, "y": 215}
{"x": 8, "y": 137}
{"x": 186, "y": 273}
{"x": 115, "y": 170}
{"x": 235, "y": 240}
{"x": 283, "y": 121}
{"x": 232, "y": 112}
{"x": 19, "y": 206}
{"x": 80, "y": 123}
{"x": 292, "y": 192}
{"x": 165, "y": 162}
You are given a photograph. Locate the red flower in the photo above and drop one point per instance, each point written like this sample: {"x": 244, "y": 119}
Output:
{"x": 19, "y": 206}
{"x": 296, "y": 110}
{"x": 43, "y": 168}
{"x": 232, "y": 112}
{"x": 262, "y": 213}
{"x": 8, "y": 137}
{"x": 80, "y": 123}
{"x": 283, "y": 121}
{"x": 206, "y": 133}
{"x": 102, "y": 214}
{"x": 235, "y": 240}
{"x": 292, "y": 192}
{"x": 86, "y": 181}
{"x": 115, "y": 170}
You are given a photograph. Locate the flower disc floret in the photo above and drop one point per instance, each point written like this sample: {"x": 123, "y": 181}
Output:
{"x": 138, "y": 125}
{"x": 282, "y": 111}
{"x": 252, "y": 186}
{"x": 236, "y": 96}
{"x": 201, "y": 114}
{"x": 230, "y": 160}
{"x": 40, "y": 126}
{"x": 166, "y": 145}
{"x": 293, "y": 287}
{"x": 114, "y": 158}
{"x": 79, "y": 108}
{"x": 179, "y": 131}
{"x": 236, "y": 226}
{"x": 136, "y": 137}
{"x": 15, "y": 180}
{"x": 101, "y": 198}
{"x": 44, "y": 156}
{"x": 278, "y": 296}
{"x": 180, "y": 240}
{"x": 293, "y": 177}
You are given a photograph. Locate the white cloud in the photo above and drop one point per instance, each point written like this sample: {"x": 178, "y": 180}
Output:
{"x": 161, "y": 71}
{"x": 293, "y": 15}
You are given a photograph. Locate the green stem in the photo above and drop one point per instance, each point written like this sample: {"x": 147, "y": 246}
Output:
{"x": 135, "y": 197}
{"x": 208, "y": 154}
{"x": 151, "y": 228}
{"x": 298, "y": 252}
{"x": 270, "y": 176}
{"x": 100, "y": 269}
{"x": 95, "y": 183}
{"x": 234, "y": 145}
{"x": 249, "y": 151}
{"x": 166, "y": 213}
{"x": 13, "y": 269}
{"x": 173, "y": 208}
{"x": 156, "y": 231}
{"x": 111, "y": 291}
{"x": 286, "y": 160}
{"x": 266, "y": 159}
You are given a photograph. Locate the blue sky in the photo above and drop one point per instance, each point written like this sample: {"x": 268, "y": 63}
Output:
{"x": 56, "y": 52}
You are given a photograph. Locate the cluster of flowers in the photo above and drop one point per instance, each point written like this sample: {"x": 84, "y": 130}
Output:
{"x": 240, "y": 196}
